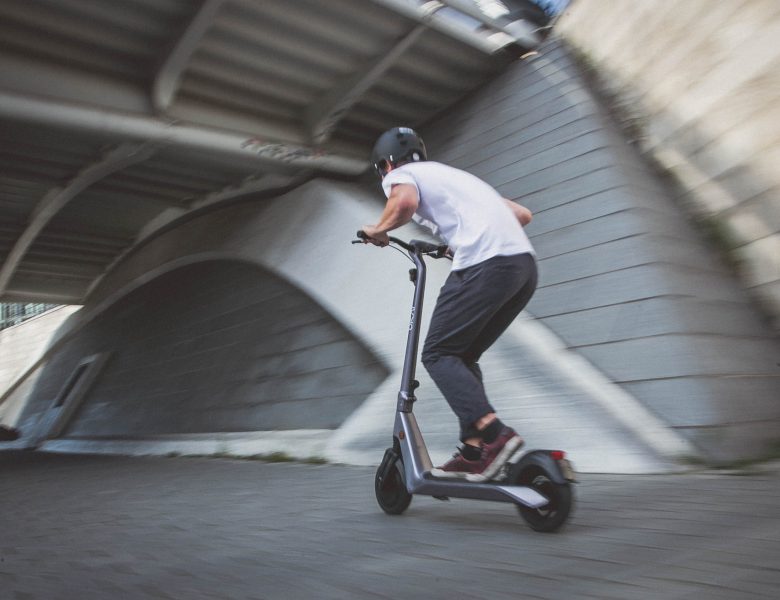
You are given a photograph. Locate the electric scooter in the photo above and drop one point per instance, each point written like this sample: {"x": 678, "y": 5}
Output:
{"x": 538, "y": 482}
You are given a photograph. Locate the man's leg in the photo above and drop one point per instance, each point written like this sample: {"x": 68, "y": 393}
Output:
{"x": 500, "y": 442}
{"x": 467, "y": 302}
{"x": 473, "y": 305}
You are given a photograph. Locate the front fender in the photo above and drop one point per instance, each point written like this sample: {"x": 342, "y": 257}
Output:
{"x": 389, "y": 460}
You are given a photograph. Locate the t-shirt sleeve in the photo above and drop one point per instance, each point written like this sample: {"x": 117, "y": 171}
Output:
{"x": 396, "y": 177}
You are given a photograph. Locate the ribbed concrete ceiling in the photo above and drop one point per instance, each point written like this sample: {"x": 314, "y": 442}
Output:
{"x": 117, "y": 118}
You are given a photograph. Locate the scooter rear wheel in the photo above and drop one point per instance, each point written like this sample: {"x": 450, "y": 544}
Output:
{"x": 391, "y": 493}
{"x": 551, "y": 516}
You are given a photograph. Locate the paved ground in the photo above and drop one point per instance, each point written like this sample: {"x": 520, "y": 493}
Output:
{"x": 83, "y": 527}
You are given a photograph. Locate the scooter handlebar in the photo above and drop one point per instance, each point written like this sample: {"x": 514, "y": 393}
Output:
{"x": 423, "y": 247}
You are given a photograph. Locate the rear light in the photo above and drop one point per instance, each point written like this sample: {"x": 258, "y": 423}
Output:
{"x": 557, "y": 454}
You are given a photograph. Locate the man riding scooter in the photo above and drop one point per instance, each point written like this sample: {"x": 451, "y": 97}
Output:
{"x": 493, "y": 277}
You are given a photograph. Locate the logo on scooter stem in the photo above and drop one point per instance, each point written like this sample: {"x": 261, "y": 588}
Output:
{"x": 411, "y": 320}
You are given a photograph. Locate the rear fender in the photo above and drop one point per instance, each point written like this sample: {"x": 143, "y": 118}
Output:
{"x": 543, "y": 460}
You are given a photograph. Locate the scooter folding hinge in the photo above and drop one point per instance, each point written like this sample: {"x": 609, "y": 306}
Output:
{"x": 406, "y": 401}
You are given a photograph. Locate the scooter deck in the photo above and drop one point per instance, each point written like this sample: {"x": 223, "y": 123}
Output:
{"x": 429, "y": 485}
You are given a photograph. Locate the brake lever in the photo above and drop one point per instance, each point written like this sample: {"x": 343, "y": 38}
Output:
{"x": 440, "y": 252}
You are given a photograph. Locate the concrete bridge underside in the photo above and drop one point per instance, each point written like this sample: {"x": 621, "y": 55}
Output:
{"x": 643, "y": 351}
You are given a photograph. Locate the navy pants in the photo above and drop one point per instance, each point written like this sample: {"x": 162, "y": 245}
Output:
{"x": 475, "y": 306}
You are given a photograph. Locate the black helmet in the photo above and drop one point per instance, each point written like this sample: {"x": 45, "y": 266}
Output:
{"x": 395, "y": 146}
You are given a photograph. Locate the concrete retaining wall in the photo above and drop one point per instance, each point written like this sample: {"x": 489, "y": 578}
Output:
{"x": 702, "y": 81}
{"x": 20, "y": 347}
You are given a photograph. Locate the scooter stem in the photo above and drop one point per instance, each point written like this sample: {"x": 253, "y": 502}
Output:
{"x": 406, "y": 396}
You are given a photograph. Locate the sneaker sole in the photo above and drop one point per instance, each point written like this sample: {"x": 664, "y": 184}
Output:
{"x": 473, "y": 477}
{"x": 441, "y": 474}
{"x": 512, "y": 446}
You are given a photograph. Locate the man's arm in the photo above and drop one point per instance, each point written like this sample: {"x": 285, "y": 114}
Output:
{"x": 400, "y": 207}
{"x": 522, "y": 214}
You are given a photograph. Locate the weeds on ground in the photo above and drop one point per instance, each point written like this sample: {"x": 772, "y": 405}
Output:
{"x": 272, "y": 457}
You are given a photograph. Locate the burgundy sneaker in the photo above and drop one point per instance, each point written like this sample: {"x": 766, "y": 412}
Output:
{"x": 495, "y": 454}
{"x": 459, "y": 468}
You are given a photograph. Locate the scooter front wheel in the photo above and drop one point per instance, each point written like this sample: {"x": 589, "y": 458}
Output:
{"x": 551, "y": 516}
{"x": 390, "y": 489}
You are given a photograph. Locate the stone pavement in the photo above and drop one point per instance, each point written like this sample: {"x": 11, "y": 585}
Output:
{"x": 84, "y": 527}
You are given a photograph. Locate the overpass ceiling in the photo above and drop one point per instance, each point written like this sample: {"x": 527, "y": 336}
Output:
{"x": 117, "y": 118}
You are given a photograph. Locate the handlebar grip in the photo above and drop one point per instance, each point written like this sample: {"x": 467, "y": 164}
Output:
{"x": 424, "y": 247}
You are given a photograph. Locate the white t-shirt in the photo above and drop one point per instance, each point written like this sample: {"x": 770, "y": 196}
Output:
{"x": 467, "y": 213}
